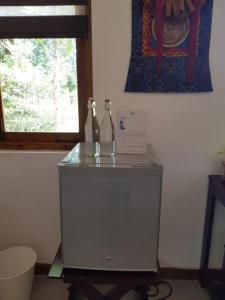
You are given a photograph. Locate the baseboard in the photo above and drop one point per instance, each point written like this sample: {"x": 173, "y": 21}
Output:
{"x": 167, "y": 273}
{"x": 180, "y": 274}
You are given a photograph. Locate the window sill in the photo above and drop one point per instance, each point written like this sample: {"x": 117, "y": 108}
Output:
{"x": 35, "y": 146}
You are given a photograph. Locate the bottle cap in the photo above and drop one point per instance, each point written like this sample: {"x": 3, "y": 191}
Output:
{"x": 107, "y": 103}
{"x": 91, "y": 103}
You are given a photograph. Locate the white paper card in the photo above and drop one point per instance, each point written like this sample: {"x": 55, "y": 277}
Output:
{"x": 131, "y": 132}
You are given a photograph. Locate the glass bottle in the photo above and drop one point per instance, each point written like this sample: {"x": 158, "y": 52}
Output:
{"x": 92, "y": 131}
{"x": 107, "y": 132}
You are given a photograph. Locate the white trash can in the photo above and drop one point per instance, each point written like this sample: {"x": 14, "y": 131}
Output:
{"x": 16, "y": 273}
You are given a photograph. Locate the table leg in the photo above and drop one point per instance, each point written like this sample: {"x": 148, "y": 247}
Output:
{"x": 118, "y": 291}
{"x": 210, "y": 209}
{"x": 72, "y": 293}
{"x": 143, "y": 291}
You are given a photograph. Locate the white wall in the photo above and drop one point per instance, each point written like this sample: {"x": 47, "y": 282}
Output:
{"x": 187, "y": 131}
{"x": 29, "y": 201}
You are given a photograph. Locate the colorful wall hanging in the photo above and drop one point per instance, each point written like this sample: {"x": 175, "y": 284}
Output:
{"x": 170, "y": 46}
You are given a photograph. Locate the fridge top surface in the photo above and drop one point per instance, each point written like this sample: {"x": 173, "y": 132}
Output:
{"x": 76, "y": 157}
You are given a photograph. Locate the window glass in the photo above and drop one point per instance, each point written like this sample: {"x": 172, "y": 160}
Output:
{"x": 39, "y": 85}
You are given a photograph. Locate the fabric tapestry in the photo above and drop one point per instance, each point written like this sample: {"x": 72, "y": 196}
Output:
{"x": 170, "y": 51}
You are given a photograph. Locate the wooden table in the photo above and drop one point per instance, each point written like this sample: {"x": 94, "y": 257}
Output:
{"x": 213, "y": 280}
{"x": 84, "y": 281}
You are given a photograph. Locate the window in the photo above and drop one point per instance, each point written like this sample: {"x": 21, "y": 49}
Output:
{"x": 45, "y": 72}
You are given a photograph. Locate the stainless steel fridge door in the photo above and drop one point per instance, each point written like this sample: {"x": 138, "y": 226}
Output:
{"x": 110, "y": 217}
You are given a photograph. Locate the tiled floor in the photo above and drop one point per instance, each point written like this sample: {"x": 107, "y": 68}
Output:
{"x": 50, "y": 289}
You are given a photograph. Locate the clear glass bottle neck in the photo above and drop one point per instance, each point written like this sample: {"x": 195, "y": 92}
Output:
{"x": 107, "y": 105}
{"x": 93, "y": 111}
{"x": 91, "y": 108}
{"x": 108, "y": 111}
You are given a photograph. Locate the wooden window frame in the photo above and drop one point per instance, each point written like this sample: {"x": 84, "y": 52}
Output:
{"x": 54, "y": 141}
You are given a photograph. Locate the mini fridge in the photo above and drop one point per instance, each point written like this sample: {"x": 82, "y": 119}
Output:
{"x": 110, "y": 211}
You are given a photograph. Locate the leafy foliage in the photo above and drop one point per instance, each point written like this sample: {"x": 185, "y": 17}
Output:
{"x": 39, "y": 85}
